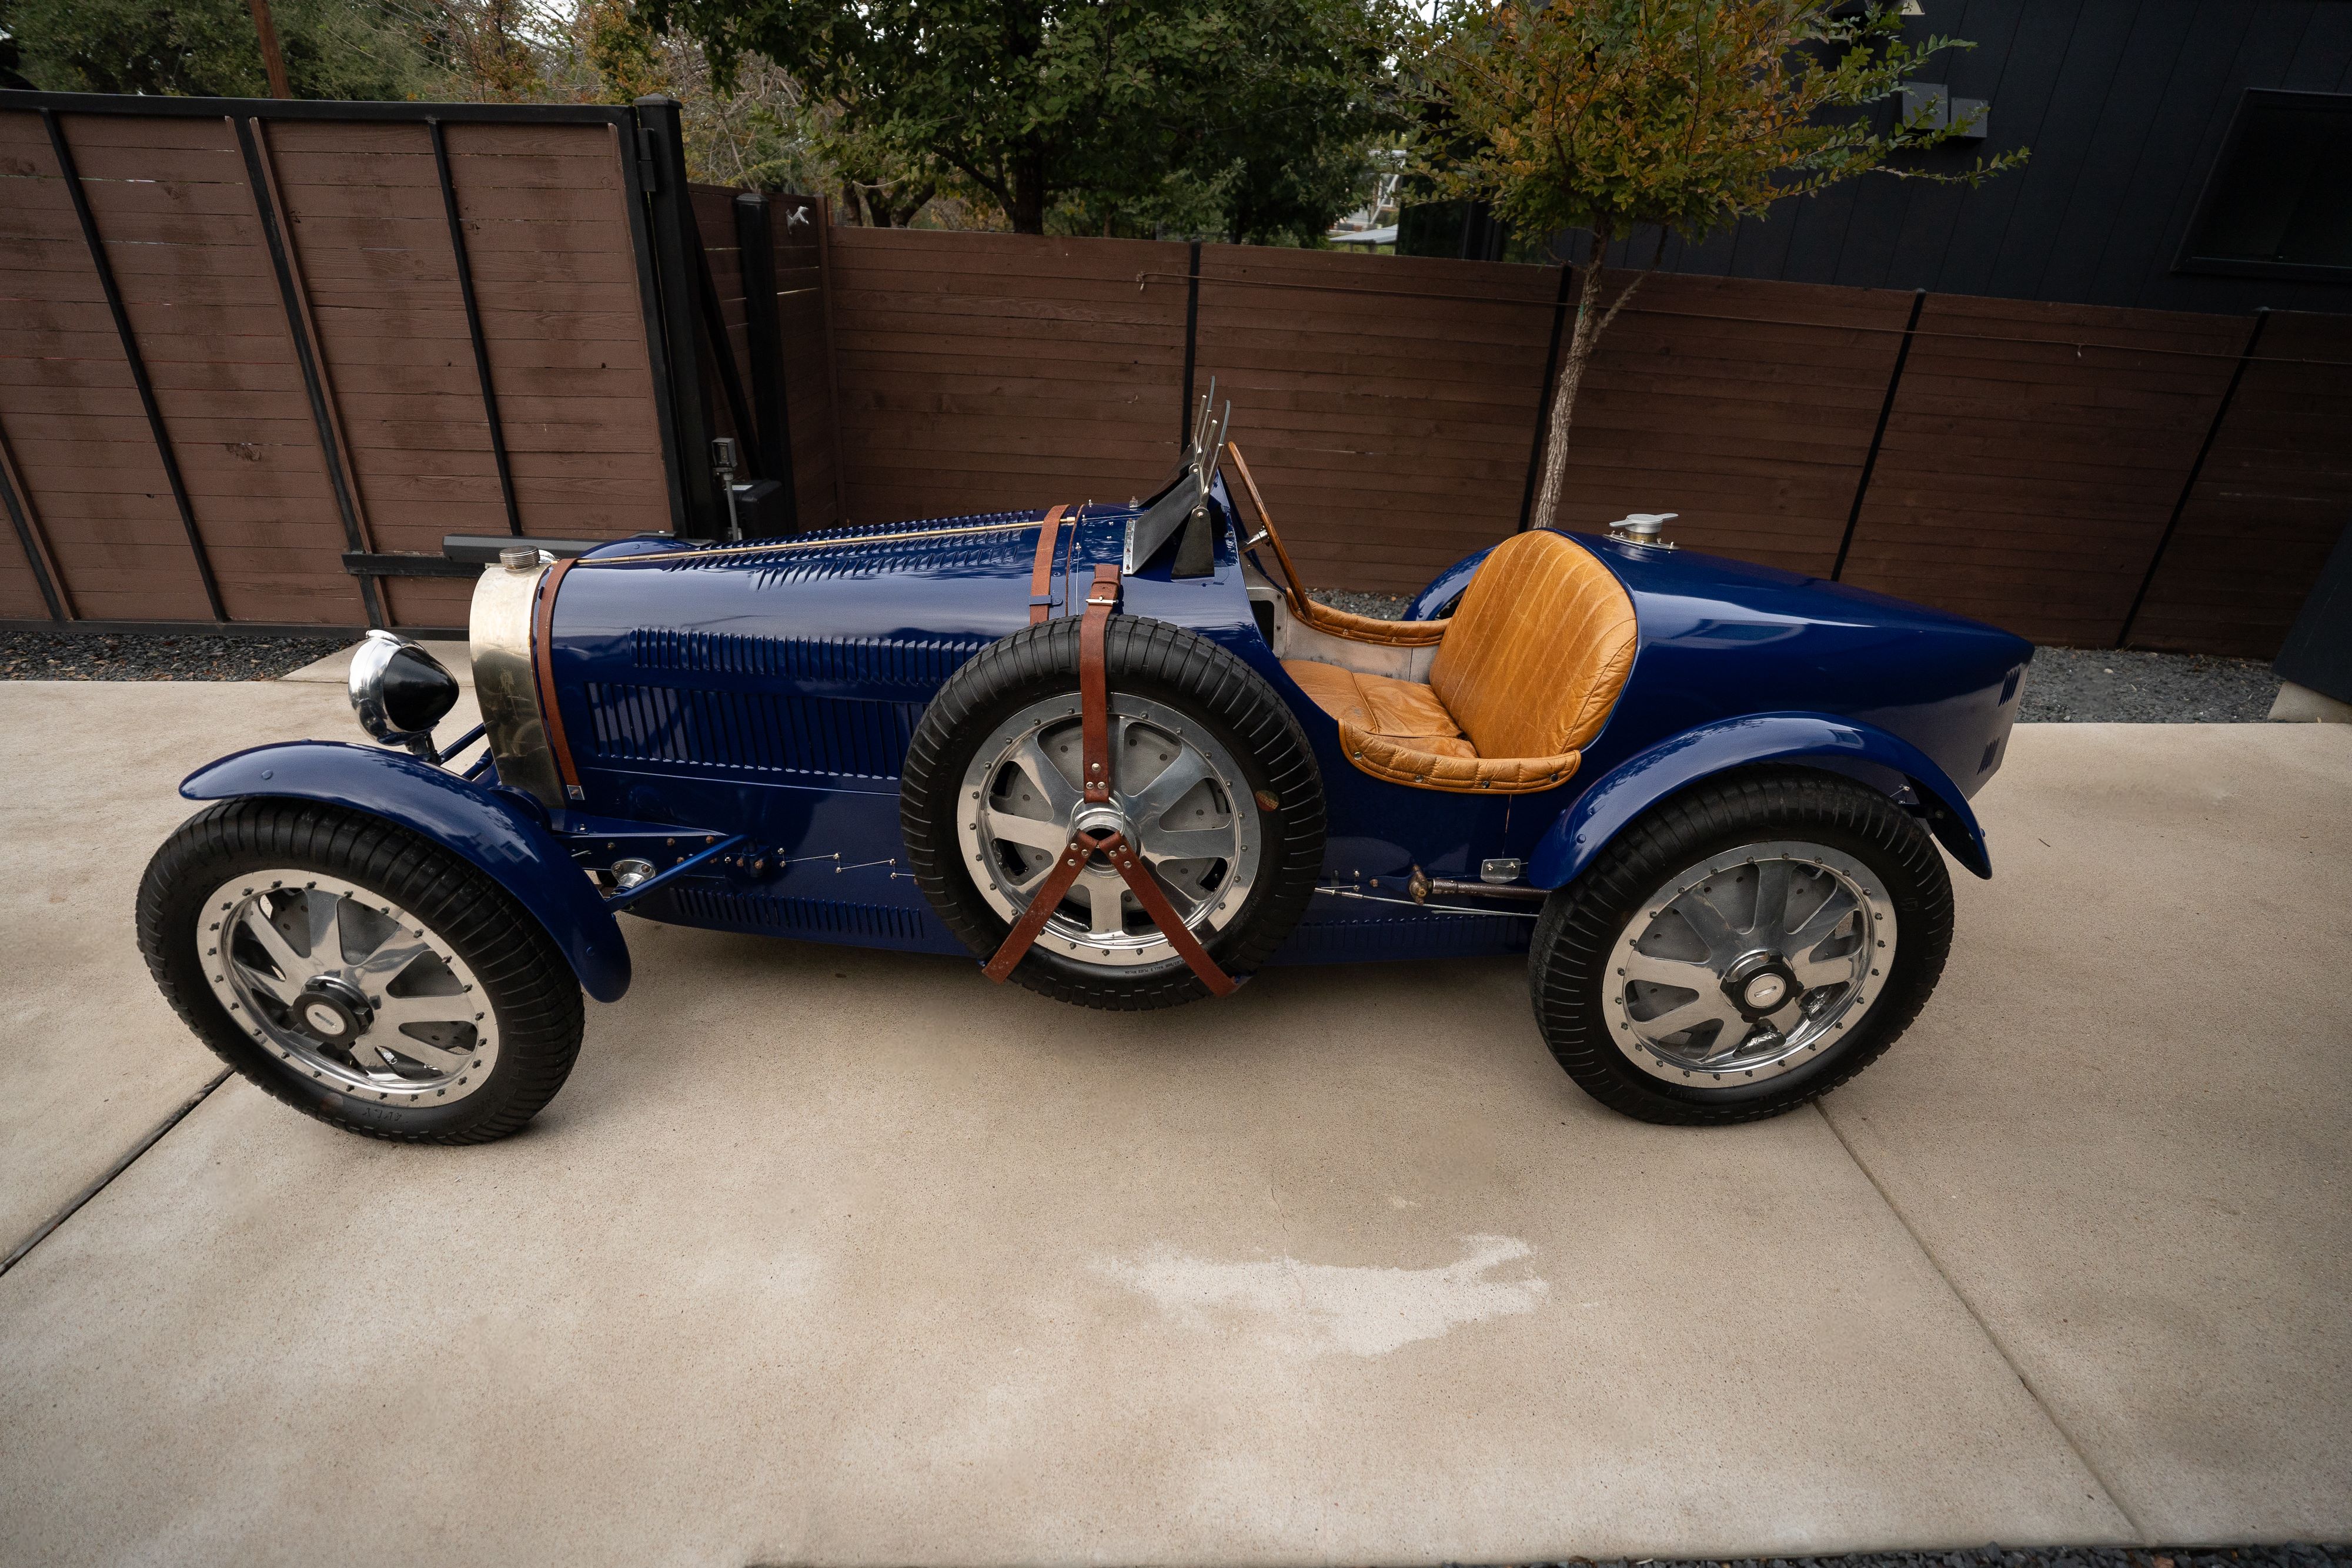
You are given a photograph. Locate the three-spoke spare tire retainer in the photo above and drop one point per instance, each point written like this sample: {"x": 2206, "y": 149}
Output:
{"x": 1237, "y": 758}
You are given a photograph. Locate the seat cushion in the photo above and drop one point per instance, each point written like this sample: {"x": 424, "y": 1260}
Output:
{"x": 1537, "y": 650}
{"x": 1401, "y": 710}
{"x": 1398, "y": 730}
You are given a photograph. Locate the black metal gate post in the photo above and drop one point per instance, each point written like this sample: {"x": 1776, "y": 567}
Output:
{"x": 764, "y": 337}
{"x": 670, "y": 206}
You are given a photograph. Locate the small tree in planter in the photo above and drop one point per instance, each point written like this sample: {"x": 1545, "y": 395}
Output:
{"x": 1687, "y": 115}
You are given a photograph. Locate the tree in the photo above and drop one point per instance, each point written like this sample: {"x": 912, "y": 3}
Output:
{"x": 1222, "y": 114}
{"x": 333, "y": 48}
{"x": 1687, "y": 115}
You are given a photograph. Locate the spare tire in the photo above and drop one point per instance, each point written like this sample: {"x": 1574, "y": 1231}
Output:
{"x": 1212, "y": 778}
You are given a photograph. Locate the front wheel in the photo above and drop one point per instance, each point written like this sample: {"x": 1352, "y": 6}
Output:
{"x": 358, "y": 972}
{"x": 1746, "y": 947}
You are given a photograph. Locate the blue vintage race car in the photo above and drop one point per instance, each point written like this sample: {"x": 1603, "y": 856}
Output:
{"x": 1119, "y": 756}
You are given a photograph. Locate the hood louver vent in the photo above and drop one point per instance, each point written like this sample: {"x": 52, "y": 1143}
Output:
{"x": 920, "y": 662}
{"x": 763, "y": 731}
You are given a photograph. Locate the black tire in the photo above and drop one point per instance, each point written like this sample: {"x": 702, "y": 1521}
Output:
{"x": 1167, "y": 664}
{"x": 1568, "y": 959}
{"x": 524, "y": 977}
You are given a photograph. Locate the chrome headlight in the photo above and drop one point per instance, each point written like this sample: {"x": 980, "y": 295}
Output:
{"x": 400, "y": 691}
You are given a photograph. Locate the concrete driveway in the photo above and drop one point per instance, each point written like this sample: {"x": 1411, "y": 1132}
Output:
{"x": 827, "y": 1256}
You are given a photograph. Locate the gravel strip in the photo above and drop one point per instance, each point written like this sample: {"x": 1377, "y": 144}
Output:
{"x": 2287, "y": 1556}
{"x": 1382, "y": 606}
{"x": 2092, "y": 685}
{"x": 157, "y": 656}
{"x": 2067, "y": 685}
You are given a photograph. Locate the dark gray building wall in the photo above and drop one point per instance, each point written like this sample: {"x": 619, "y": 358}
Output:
{"x": 2126, "y": 105}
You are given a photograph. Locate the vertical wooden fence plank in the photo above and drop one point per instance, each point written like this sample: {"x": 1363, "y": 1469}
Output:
{"x": 137, "y": 360}
{"x": 474, "y": 327}
{"x": 263, "y": 185}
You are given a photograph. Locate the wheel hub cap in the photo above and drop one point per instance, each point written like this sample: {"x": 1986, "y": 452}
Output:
{"x": 1177, "y": 795}
{"x": 1102, "y": 819}
{"x": 346, "y": 988}
{"x": 1760, "y": 984}
{"x": 331, "y": 1011}
{"x": 1750, "y": 964}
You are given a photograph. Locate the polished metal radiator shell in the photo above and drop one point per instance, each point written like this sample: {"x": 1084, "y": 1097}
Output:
{"x": 506, "y": 681}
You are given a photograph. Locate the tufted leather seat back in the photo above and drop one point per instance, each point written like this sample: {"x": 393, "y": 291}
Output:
{"x": 1538, "y": 651}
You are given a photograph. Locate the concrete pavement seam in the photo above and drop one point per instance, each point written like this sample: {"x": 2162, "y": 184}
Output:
{"x": 73, "y": 1205}
{"x": 2106, "y": 1488}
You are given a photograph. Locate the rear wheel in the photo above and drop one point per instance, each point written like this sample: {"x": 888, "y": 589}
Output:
{"x": 1744, "y": 948}
{"x": 358, "y": 972}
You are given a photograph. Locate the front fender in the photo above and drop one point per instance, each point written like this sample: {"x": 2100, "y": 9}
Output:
{"x": 497, "y": 835}
{"x": 1679, "y": 762}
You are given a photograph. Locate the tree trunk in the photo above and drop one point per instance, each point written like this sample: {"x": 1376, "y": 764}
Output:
{"x": 1589, "y": 321}
{"x": 1030, "y": 197}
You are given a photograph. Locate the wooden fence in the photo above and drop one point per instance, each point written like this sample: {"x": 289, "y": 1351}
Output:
{"x": 2083, "y": 475}
{"x": 257, "y": 358}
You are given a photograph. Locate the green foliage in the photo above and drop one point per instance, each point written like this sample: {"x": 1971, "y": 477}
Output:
{"x": 1687, "y": 114}
{"x": 1243, "y": 117}
{"x": 333, "y": 48}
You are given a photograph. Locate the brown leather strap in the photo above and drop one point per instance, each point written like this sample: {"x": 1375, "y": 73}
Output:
{"x": 1041, "y": 570}
{"x": 1129, "y": 865}
{"x": 1094, "y": 761}
{"x": 1050, "y": 893}
{"x": 1094, "y": 686}
{"x": 544, "y": 657}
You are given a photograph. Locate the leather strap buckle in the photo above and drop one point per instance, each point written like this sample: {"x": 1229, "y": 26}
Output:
{"x": 1094, "y": 761}
{"x": 1041, "y": 568}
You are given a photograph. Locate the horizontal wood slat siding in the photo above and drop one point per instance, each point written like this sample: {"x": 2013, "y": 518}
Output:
{"x": 1390, "y": 436}
{"x": 1389, "y": 405}
{"x": 1752, "y": 431}
{"x": 2274, "y": 493}
{"x": 987, "y": 372}
{"x": 2028, "y": 483}
{"x": 122, "y": 553}
{"x": 554, "y": 275}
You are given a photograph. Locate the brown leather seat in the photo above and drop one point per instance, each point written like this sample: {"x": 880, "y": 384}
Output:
{"x": 1525, "y": 672}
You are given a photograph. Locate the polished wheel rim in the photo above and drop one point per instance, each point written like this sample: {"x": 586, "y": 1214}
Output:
{"x": 1177, "y": 795}
{"x": 1750, "y": 964}
{"x": 347, "y": 987}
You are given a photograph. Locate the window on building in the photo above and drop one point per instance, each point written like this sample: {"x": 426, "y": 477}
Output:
{"x": 2279, "y": 202}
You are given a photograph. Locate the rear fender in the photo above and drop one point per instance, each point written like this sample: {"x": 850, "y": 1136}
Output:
{"x": 1437, "y": 600}
{"x": 1682, "y": 760}
{"x": 497, "y": 835}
